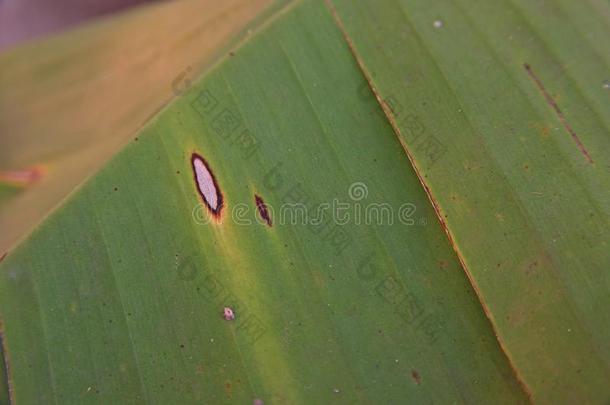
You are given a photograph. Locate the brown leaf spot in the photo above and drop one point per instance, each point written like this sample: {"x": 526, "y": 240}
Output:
{"x": 415, "y": 376}
{"x": 263, "y": 211}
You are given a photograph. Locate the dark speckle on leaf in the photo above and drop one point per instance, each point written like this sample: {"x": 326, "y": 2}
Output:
{"x": 263, "y": 211}
{"x": 416, "y": 377}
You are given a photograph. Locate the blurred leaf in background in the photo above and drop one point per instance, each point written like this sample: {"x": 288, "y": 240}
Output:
{"x": 69, "y": 102}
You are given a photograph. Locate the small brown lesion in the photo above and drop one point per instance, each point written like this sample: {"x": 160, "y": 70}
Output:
{"x": 263, "y": 210}
{"x": 553, "y": 104}
{"x": 415, "y": 376}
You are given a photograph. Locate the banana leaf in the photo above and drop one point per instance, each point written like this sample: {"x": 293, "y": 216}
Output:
{"x": 503, "y": 111}
{"x": 361, "y": 203}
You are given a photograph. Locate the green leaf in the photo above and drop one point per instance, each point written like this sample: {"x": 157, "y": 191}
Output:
{"x": 502, "y": 109}
{"x": 4, "y": 382}
{"x": 117, "y": 297}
